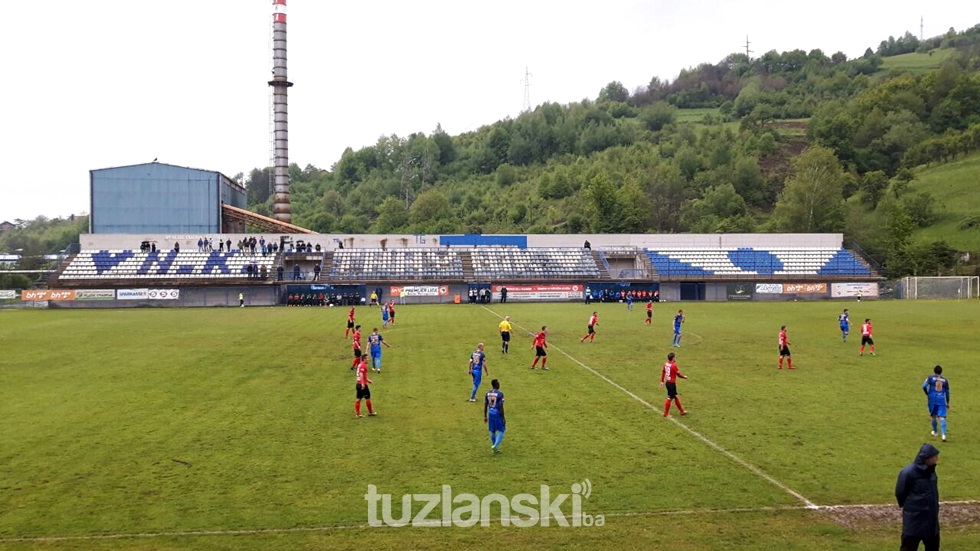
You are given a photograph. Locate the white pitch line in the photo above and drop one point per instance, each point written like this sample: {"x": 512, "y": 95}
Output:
{"x": 752, "y": 468}
{"x": 438, "y": 522}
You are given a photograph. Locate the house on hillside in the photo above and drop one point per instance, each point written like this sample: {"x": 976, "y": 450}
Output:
{"x": 6, "y": 226}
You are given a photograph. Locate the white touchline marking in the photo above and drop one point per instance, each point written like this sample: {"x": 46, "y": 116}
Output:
{"x": 438, "y": 522}
{"x": 755, "y": 470}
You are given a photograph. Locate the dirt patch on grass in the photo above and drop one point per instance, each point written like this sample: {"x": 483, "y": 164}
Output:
{"x": 875, "y": 516}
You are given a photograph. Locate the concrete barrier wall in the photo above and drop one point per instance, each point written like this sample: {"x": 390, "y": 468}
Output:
{"x": 445, "y": 293}
{"x": 332, "y": 241}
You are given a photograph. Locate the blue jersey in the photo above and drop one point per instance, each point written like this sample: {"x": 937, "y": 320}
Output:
{"x": 678, "y": 320}
{"x": 384, "y": 314}
{"x": 936, "y": 388}
{"x": 845, "y": 321}
{"x": 375, "y": 340}
{"x": 477, "y": 358}
{"x": 495, "y": 403}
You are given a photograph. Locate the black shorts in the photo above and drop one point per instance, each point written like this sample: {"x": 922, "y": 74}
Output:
{"x": 357, "y": 352}
{"x": 591, "y": 329}
{"x": 784, "y": 351}
{"x": 671, "y": 390}
{"x": 649, "y": 313}
{"x": 867, "y": 340}
{"x": 505, "y": 336}
{"x": 391, "y": 314}
{"x": 350, "y": 325}
{"x": 363, "y": 391}
{"x": 541, "y": 351}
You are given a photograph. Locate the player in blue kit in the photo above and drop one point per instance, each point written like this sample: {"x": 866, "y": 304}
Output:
{"x": 376, "y": 340}
{"x": 845, "y": 324}
{"x": 678, "y": 321}
{"x": 936, "y": 388}
{"x": 493, "y": 415}
{"x": 478, "y": 364}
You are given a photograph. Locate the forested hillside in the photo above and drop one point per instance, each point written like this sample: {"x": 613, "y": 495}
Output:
{"x": 786, "y": 142}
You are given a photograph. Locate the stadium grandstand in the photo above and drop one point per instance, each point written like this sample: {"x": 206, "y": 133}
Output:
{"x": 160, "y": 231}
{"x": 441, "y": 268}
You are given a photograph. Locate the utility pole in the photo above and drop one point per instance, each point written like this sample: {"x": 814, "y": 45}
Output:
{"x": 922, "y": 24}
{"x": 748, "y": 52}
{"x": 527, "y": 91}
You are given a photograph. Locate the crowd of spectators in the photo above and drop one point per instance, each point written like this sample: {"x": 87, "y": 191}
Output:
{"x": 324, "y": 299}
{"x": 613, "y": 295}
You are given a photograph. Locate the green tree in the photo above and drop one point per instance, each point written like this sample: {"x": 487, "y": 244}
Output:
{"x": 900, "y": 258}
{"x": 872, "y": 185}
{"x": 658, "y": 115}
{"x": 392, "y": 216}
{"x": 614, "y": 91}
{"x": 258, "y": 186}
{"x": 812, "y": 200}
{"x": 604, "y": 204}
{"x": 748, "y": 181}
{"x": 430, "y": 205}
{"x": 635, "y": 209}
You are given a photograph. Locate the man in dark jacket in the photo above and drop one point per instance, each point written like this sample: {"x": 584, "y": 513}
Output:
{"x": 917, "y": 491}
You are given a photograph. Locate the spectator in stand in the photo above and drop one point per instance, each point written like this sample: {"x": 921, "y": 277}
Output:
{"x": 587, "y": 245}
{"x": 279, "y": 272}
{"x": 177, "y": 246}
{"x": 295, "y": 272}
{"x": 316, "y": 271}
{"x": 228, "y": 244}
{"x": 200, "y": 244}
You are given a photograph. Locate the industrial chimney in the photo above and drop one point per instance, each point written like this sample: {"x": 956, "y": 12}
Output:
{"x": 280, "y": 209}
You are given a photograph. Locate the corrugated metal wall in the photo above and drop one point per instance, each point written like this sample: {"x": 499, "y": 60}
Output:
{"x": 158, "y": 198}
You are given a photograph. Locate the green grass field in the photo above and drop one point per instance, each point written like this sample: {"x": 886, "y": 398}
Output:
{"x": 234, "y": 428}
{"x": 954, "y": 186}
{"x": 916, "y": 62}
{"x": 696, "y": 115}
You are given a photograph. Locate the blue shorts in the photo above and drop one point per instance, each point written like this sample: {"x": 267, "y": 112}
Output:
{"x": 845, "y": 328}
{"x": 495, "y": 424}
{"x": 376, "y": 353}
{"x": 477, "y": 376}
{"x": 937, "y": 410}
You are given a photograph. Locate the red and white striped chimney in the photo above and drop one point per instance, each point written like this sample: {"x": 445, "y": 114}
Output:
{"x": 281, "y": 209}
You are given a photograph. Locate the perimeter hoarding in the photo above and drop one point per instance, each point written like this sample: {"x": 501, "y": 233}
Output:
{"x": 556, "y": 291}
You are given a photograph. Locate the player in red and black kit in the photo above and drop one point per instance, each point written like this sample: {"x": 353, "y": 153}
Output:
{"x": 350, "y": 322}
{"x": 867, "y": 337}
{"x": 593, "y": 321}
{"x": 668, "y": 378}
{"x": 649, "y": 320}
{"x": 542, "y": 349}
{"x": 363, "y": 390}
{"x": 784, "y": 349}
{"x": 391, "y": 312}
{"x": 357, "y": 346}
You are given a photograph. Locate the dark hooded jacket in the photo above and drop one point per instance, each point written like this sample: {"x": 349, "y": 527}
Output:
{"x": 917, "y": 491}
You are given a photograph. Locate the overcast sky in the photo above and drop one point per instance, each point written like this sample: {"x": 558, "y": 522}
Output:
{"x": 119, "y": 82}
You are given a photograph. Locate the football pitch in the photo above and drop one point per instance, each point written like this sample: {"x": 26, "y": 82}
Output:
{"x": 235, "y": 429}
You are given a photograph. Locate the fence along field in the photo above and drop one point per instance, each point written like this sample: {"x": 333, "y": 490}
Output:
{"x": 191, "y": 422}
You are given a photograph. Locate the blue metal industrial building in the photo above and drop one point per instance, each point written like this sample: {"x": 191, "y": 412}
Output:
{"x": 157, "y": 198}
